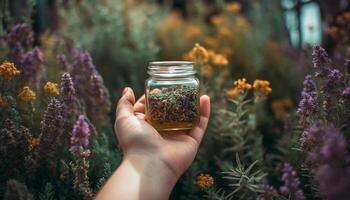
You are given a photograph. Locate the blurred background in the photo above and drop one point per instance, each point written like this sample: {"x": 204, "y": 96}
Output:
{"x": 268, "y": 40}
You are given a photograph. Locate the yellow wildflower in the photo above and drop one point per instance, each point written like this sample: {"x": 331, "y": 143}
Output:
{"x": 333, "y": 32}
{"x": 281, "y": 107}
{"x": 225, "y": 32}
{"x": 242, "y": 84}
{"x": 216, "y": 20}
{"x": 52, "y": 88}
{"x": 8, "y": 70}
{"x": 34, "y": 142}
{"x": 205, "y": 181}
{"x": 192, "y": 31}
{"x": 346, "y": 16}
{"x": 217, "y": 59}
{"x": 233, "y": 7}
{"x": 198, "y": 54}
{"x": 26, "y": 94}
{"x": 3, "y": 101}
{"x": 240, "y": 87}
{"x": 233, "y": 93}
{"x": 262, "y": 89}
{"x": 211, "y": 42}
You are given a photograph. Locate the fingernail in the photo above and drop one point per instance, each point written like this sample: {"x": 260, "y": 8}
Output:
{"x": 124, "y": 90}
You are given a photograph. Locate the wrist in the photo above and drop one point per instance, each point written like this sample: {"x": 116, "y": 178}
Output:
{"x": 155, "y": 176}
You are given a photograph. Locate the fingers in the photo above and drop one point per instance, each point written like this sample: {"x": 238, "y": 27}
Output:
{"x": 125, "y": 107}
{"x": 139, "y": 106}
{"x": 198, "y": 131}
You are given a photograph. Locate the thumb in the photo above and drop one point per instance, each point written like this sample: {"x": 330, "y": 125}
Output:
{"x": 125, "y": 107}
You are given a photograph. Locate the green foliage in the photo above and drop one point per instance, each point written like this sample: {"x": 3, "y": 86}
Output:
{"x": 244, "y": 180}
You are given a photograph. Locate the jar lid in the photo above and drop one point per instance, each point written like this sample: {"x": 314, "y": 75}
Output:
{"x": 171, "y": 69}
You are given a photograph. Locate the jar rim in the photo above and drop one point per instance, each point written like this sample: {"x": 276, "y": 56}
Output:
{"x": 171, "y": 69}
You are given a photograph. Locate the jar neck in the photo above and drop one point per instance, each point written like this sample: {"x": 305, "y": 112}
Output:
{"x": 171, "y": 69}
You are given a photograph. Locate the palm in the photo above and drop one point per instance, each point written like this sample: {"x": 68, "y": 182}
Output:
{"x": 177, "y": 150}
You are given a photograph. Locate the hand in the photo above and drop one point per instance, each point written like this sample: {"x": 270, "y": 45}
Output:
{"x": 152, "y": 162}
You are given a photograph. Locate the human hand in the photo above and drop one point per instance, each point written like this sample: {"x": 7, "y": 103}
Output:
{"x": 138, "y": 138}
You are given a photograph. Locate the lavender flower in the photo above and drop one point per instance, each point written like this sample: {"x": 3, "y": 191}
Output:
{"x": 331, "y": 164}
{"x": 98, "y": 101}
{"x": 19, "y": 38}
{"x": 52, "y": 127}
{"x": 80, "y": 137}
{"x": 310, "y": 137}
{"x": 79, "y": 149}
{"x": 31, "y": 61}
{"x": 320, "y": 56}
{"x": 20, "y": 34}
{"x": 269, "y": 191}
{"x": 346, "y": 92}
{"x": 62, "y": 62}
{"x": 16, "y": 191}
{"x": 83, "y": 69}
{"x": 291, "y": 183}
{"x": 67, "y": 89}
{"x": 308, "y": 103}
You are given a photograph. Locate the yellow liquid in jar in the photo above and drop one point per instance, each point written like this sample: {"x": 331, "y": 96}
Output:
{"x": 173, "y": 126}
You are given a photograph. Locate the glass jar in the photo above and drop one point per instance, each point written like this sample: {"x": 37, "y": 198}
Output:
{"x": 172, "y": 96}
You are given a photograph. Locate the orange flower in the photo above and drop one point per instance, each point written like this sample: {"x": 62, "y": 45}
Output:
{"x": 240, "y": 87}
{"x": 211, "y": 42}
{"x": 281, "y": 107}
{"x": 233, "y": 7}
{"x": 216, "y": 20}
{"x": 26, "y": 94}
{"x": 34, "y": 143}
{"x": 205, "y": 181}
{"x": 217, "y": 59}
{"x": 8, "y": 70}
{"x": 333, "y": 32}
{"x": 3, "y": 101}
{"x": 198, "y": 54}
{"x": 262, "y": 89}
{"x": 192, "y": 31}
{"x": 52, "y": 88}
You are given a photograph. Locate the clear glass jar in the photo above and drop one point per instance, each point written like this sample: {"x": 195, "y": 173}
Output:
{"x": 172, "y": 96}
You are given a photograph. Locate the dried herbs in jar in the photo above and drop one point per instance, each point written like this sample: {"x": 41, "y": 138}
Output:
{"x": 172, "y": 96}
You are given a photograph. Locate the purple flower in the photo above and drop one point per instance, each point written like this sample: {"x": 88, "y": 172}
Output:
{"x": 346, "y": 92}
{"x": 62, "y": 62}
{"x": 83, "y": 69}
{"x": 80, "y": 137}
{"x": 329, "y": 160}
{"x": 31, "y": 61}
{"x": 331, "y": 165}
{"x": 20, "y": 34}
{"x": 310, "y": 137}
{"x": 98, "y": 102}
{"x": 331, "y": 146}
{"x": 52, "y": 127}
{"x": 308, "y": 103}
{"x": 67, "y": 89}
{"x": 320, "y": 56}
{"x": 291, "y": 184}
{"x": 269, "y": 191}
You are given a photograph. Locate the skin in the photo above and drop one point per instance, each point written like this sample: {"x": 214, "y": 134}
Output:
{"x": 152, "y": 162}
